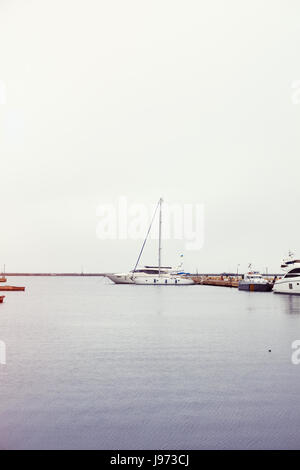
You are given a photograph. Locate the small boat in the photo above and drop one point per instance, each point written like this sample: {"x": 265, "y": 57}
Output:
{"x": 3, "y": 278}
{"x": 290, "y": 282}
{"x": 1, "y": 298}
{"x": 10, "y": 288}
{"x": 254, "y": 281}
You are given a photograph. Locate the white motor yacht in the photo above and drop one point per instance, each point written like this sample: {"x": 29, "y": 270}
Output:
{"x": 290, "y": 282}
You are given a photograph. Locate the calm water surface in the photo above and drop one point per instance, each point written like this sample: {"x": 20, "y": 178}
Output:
{"x": 92, "y": 365}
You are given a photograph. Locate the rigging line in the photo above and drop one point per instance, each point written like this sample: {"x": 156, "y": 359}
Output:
{"x": 140, "y": 254}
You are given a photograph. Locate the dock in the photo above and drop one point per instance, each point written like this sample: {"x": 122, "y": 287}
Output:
{"x": 224, "y": 281}
{"x": 216, "y": 281}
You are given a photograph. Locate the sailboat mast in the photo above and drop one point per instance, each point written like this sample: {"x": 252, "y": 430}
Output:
{"x": 144, "y": 243}
{"x": 159, "y": 246}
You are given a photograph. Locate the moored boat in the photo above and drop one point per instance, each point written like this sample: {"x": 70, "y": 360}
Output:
{"x": 146, "y": 274}
{"x": 1, "y": 298}
{"x": 3, "y": 278}
{"x": 164, "y": 280}
{"x": 254, "y": 281}
{"x": 153, "y": 275}
{"x": 11, "y": 288}
{"x": 290, "y": 282}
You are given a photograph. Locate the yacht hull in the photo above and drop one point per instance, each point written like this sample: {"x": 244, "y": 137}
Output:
{"x": 156, "y": 281}
{"x": 149, "y": 279}
{"x": 288, "y": 286}
{"x": 120, "y": 278}
{"x": 253, "y": 287}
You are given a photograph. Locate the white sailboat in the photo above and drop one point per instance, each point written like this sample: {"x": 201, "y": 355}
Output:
{"x": 152, "y": 275}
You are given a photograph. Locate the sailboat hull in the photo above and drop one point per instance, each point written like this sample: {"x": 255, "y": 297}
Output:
{"x": 163, "y": 281}
{"x": 121, "y": 278}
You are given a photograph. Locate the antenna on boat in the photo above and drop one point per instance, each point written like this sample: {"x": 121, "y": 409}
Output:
{"x": 159, "y": 245}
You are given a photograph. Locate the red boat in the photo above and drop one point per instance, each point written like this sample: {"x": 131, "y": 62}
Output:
{"x": 9, "y": 288}
{"x": 3, "y": 279}
{"x": 1, "y": 298}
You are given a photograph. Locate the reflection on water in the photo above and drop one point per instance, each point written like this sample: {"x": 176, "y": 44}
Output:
{"x": 289, "y": 303}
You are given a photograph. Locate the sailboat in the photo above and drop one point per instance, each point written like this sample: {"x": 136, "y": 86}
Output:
{"x": 153, "y": 275}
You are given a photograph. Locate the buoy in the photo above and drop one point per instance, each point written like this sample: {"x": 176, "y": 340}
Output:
{"x": 269, "y": 350}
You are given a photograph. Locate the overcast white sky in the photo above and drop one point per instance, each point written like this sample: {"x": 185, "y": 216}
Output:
{"x": 189, "y": 100}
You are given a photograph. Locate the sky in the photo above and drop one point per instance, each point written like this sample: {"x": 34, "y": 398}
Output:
{"x": 194, "y": 101}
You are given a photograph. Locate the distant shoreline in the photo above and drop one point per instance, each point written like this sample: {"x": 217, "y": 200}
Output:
{"x": 54, "y": 274}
